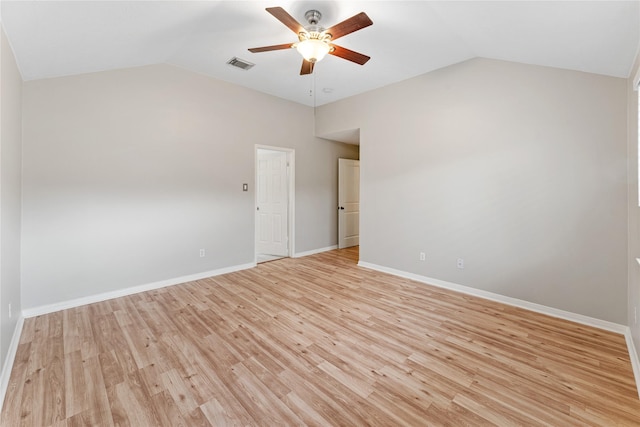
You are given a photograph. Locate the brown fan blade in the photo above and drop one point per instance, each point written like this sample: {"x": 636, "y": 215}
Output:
{"x": 281, "y": 15}
{"x": 307, "y": 67}
{"x": 348, "y": 26}
{"x": 268, "y": 48}
{"x": 348, "y": 54}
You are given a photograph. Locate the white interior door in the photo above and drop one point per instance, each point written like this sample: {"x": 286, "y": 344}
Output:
{"x": 348, "y": 203}
{"x": 272, "y": 203}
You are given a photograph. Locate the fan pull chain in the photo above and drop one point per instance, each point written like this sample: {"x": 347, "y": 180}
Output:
{"x": 313, "y": 90}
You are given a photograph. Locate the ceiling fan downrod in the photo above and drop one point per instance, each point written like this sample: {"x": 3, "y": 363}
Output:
{"x": 313, "y": 16}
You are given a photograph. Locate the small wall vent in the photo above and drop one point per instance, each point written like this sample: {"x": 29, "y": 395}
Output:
{"x": 240, "y": 63}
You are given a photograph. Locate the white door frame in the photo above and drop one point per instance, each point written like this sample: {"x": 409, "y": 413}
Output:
{"x": 291, "y": 157}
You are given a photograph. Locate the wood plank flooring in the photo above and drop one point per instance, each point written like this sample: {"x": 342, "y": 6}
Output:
{"x": 315, "y": 341}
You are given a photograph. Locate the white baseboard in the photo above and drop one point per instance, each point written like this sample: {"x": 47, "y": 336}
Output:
{"x": 539, "y": 308}
{"x": 315, "y": 251}
{"x": 8, "y": 361}
{"x": 633, "y": 355}
{"x": 51, "y": 308}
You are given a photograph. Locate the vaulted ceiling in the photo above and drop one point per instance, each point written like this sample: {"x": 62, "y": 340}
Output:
{"x": 408, "y": 38}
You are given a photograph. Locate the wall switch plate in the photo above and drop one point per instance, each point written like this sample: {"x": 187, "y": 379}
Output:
{"x": 245, "y": 187}
{"x": 423, "y": 256}
{"x": 9, "y": 310}
{"x": 201, "y": 253}
{"x": 460, "y": 263}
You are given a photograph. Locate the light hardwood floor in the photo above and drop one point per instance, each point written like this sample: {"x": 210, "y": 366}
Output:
{"x": 315, "y": 341}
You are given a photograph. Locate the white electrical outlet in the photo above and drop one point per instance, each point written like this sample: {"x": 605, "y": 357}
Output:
{"x": 201, "y": 253}
{"x": 9, "y": 310}
{"x": 423, "y": 256}
{"x": 460, "y": 263}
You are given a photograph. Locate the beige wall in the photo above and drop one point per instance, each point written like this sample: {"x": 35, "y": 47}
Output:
{"x": 634, "y": 210}
{"x": 127, "y": 174}
{"x": 520, "y": 170}
{"x": 10, "y": 192}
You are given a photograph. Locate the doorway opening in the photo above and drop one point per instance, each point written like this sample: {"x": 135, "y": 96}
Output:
{"x": 274, "y": 203}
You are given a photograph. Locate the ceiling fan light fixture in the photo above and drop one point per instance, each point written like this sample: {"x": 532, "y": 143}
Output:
{"x": 313, "y": 46}
{"x": 314, "y": 41}
{"x": 313, "y": 50}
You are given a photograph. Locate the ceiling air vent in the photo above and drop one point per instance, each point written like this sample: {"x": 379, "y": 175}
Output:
{"x": 240, "y": 63}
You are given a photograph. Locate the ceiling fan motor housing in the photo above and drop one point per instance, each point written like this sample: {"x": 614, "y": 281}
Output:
{"x": 313, "y": 30}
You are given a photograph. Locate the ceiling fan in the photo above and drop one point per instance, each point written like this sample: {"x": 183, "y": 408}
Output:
{"x": 315, "y": 42}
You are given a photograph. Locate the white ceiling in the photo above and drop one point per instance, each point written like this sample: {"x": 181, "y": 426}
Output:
{"x": 408, "y": 38}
